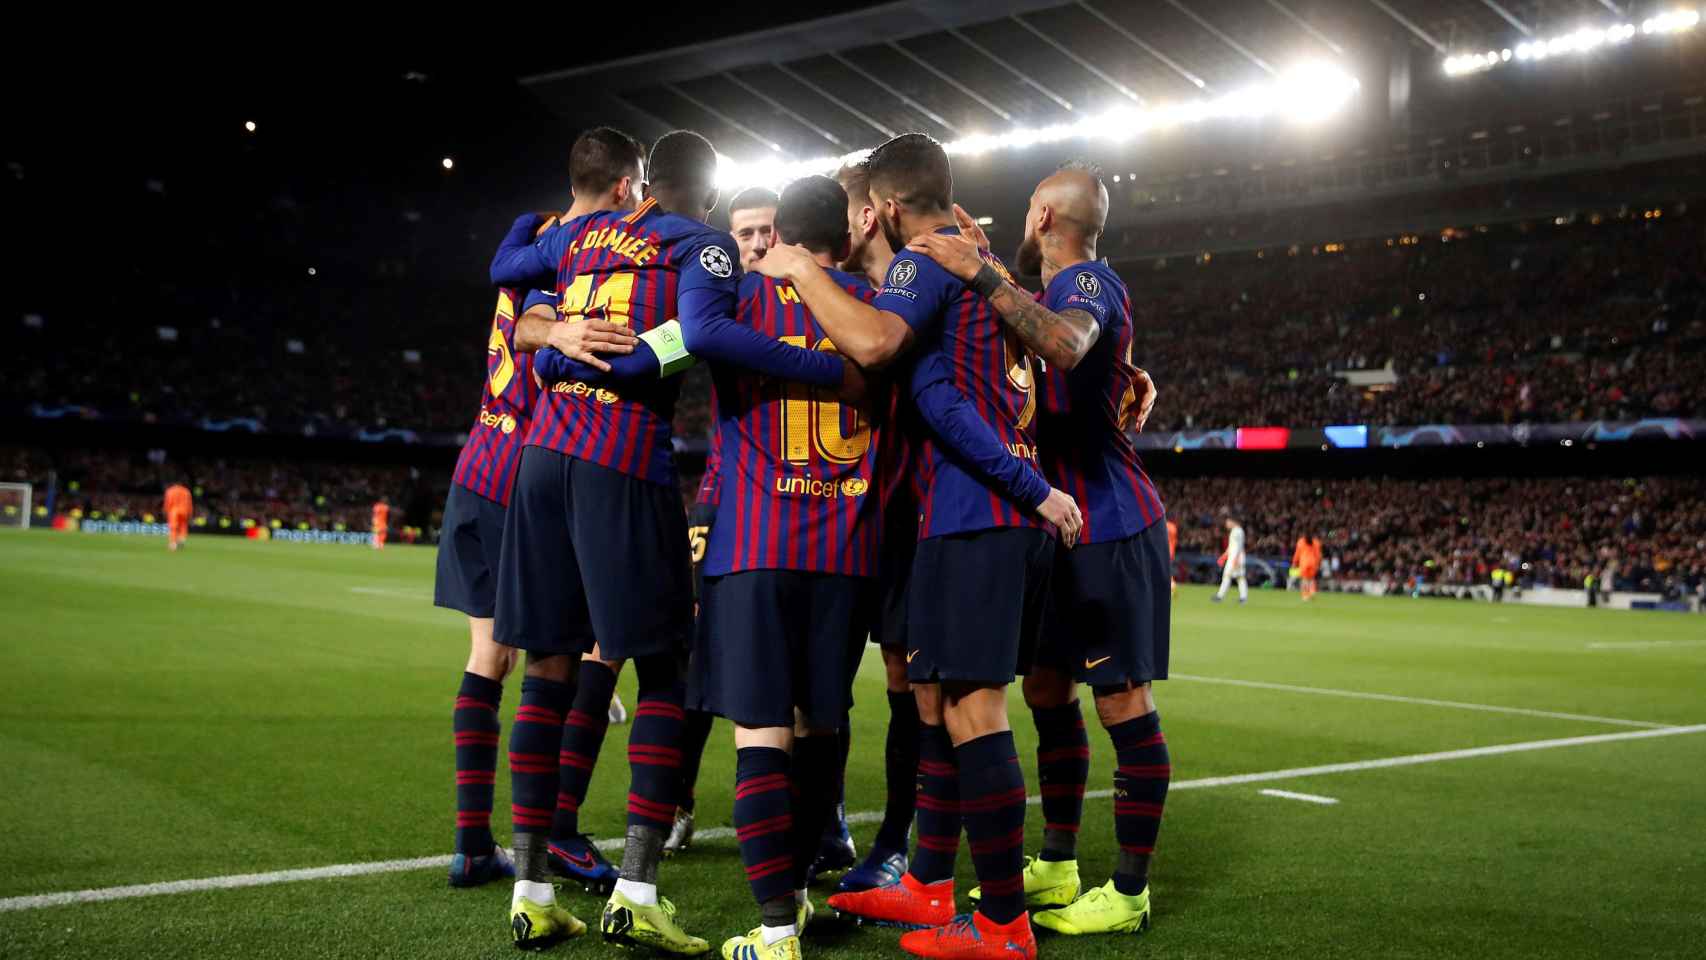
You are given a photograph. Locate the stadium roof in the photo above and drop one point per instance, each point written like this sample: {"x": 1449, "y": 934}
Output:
{"x": 951, "y": 69}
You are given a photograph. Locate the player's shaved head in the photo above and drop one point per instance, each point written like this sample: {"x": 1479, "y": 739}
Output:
{"x": 682, "y": 173}
{"x": 1068, "y": 212}
{"x": 813, "y": 214}
{"x": 602, "y": 156}
{"x": 682, "y": 158}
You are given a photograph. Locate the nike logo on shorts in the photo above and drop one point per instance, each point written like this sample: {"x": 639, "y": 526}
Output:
{"x": 1093, "y": 664}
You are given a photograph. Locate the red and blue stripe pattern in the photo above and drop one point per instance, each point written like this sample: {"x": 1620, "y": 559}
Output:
{"x": 764, "y": 820}
{"x": 489, "y": 459}
{"x": 800, "y": 485}
{"x": 625, "y": 269}
{"x": 1086, "y": 412}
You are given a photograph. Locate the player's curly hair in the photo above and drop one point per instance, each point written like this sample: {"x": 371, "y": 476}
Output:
{"x": 913, "y": 169}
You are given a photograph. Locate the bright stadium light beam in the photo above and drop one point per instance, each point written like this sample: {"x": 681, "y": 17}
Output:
{"x": 1580, "y": 41}
{"x": 1307, "y": 93}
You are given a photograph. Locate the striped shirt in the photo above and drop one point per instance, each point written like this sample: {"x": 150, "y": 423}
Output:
{"x": 1086, "y": 412}
{"x": 961, "y": 341}
{"x": 489, "y": 459}
{"x": 627, "y": 269}
{"x": 799, "y": 469}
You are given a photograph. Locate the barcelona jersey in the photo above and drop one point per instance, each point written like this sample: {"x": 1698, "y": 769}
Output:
{"x": 799, "y": 469}
{"x": 489, "y": 458}
{"x": 1086, "y": 412}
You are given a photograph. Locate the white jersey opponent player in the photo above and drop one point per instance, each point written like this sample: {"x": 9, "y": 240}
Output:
{"x": 1232, "y": 563}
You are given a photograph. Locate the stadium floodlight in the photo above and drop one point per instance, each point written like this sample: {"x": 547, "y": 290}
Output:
{"x": 249, "y": 125}
{"x": 448, "y": 163}
{"x": 1306, "y": 93}
{"x": 1580, "y": 41}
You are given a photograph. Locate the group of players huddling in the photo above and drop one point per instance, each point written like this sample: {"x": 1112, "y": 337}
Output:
{"x": 890, "y": 462}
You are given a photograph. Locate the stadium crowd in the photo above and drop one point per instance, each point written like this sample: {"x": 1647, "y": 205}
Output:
{"x": 105, "y": 485}
{"x": 1603, "y": 318}
{"x": 1555, "y": 532}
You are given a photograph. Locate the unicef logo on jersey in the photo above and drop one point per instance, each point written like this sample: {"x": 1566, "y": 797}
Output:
{"x": 1089, "y": 285}
{"x": 903, "y": 273}
{"x": 716, "y": 262}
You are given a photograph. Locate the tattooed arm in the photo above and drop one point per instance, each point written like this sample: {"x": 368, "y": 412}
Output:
{"x": 1061, "y": 338}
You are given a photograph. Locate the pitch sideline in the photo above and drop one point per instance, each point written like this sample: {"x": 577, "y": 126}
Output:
{"x": 236, "y": 881}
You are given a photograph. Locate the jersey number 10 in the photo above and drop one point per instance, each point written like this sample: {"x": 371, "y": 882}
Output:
{"x": 811, "y": 416}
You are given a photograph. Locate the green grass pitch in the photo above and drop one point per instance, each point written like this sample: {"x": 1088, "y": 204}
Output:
{"x": 253, "y": 707}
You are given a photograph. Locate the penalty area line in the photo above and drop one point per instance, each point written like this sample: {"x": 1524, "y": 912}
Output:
{"x": 237, "y": 881}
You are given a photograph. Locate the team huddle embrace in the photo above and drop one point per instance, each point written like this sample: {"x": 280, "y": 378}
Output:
{"x": 910, "y": 449}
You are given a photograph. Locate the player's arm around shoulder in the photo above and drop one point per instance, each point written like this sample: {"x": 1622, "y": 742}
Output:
{"x": 870, "y": 336}
{"x": 1062, "y": 337}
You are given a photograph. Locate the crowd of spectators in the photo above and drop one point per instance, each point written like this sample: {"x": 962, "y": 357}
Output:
{"x": 1548, "y": 323}
{"x": 1552, "y": 531}
{"x": 1649, "y": 532}
{"x": 103, "y": 485}
{"x": 1602, "y": 317}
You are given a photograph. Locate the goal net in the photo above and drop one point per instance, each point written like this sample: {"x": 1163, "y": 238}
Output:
{"x": 14, "y": 505}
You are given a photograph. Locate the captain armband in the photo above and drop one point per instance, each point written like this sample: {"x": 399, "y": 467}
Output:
{"x": 665, "y": 341}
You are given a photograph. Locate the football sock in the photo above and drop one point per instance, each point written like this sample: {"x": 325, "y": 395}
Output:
{"x": 1063, "y": 766}
{"x": 1140, "y": 792}
{"x": 583, "y": 736}
{"x": 764, "y": 822}
{"x": 992, "y": 801}
{"x": 816, "y": 781}
{"x": 938, "y": 806}
{"x": 534, "y": 739}
{"x": 654, "y": 763}
{"x": 694, "y": 732}
{"x": 475, "y": 723}
{"x": 900, "y": 771}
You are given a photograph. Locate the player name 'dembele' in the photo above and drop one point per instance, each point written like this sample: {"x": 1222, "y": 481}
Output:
{"x": 619, "y": 241}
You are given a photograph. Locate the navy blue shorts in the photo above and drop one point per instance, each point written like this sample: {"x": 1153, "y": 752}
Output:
{"x": 591, "y": 554}
{"x": 1111, "y": 620}
{"x": 894, "y": 575}
{"x": 976, "y": 605}
{"x": 777, "y": 640}
{"x": 469, "y": 544}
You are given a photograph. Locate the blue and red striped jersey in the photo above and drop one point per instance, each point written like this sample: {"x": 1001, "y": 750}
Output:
{"x": 799, "y": 487}
{"x": 711, "y": 483}
{"x": 960, "y": 338}
{"x": 488, "y": 460}
{"x": 628, "y": 269}
{"x": 1086, "y": 412}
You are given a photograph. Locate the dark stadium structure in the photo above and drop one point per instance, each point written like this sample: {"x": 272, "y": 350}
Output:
{"x": 1461, "y": 278}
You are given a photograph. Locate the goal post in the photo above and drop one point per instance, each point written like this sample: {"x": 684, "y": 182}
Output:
{"x": 14, "y": 505}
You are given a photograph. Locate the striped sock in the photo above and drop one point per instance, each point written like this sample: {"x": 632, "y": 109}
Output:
{"x": 992, "y": 801}
{"x": 938, "y": 806}
{"x": 816, "y": 779}
{"x": 654, "y": 758}
{"x": 900, "y": 769}
{"x": 533, "y": 742}
{"x": 764, "y": 821}
{"x": 1063, "y": 766}
{"x": 475, "y": 722}
{"x": 583, "y": 735}
{"x": 1140, "y": 792}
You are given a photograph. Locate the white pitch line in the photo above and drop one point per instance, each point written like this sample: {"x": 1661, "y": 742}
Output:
{"x": 1419, "y": 701}
{"x": 1645, "y": 644}
{"x": 100, "y": 894}
{"x": 1305, "y": 797}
